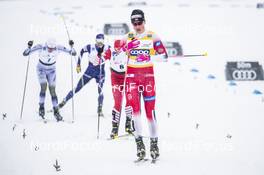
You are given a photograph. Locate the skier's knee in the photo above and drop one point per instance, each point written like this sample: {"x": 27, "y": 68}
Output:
{"x": 100, "y": 98}
{"x": 43, "y": 87}
{"x": 52, "y": 91}
{"x": 151, "y": 116}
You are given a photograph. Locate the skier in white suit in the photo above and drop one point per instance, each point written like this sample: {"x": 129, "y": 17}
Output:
{"x": 46, "y": 71}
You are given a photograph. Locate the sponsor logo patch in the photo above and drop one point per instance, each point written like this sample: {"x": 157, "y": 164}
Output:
{"x": 136, "y": 52}
{"x": 244, "y": 71}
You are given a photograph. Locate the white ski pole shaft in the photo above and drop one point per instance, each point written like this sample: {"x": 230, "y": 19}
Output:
{"x": 73, "y": 91}
{"x": 24, "y": 91}
{"x": 196, "y": 55}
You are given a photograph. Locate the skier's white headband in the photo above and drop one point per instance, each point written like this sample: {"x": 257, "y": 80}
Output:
{"x": 100, "y": 40}
{"x": 136, "y": 16}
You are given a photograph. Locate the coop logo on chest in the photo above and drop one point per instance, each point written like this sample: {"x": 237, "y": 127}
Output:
{"x": 136, "y": 52}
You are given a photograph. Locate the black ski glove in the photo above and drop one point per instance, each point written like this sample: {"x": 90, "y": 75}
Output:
{"x": 30, "y": 44}
{"x": 71, "y": 43}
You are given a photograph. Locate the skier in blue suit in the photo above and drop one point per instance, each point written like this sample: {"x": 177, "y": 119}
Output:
{"x": 97, "y": 54}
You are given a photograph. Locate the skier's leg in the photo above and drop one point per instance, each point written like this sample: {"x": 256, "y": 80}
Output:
{"x": 129, "y": 125}
{"x": 51, "y": 77}
{"x": 117, "y": 89}
{"x": 100, "y": 82}
{"x": 42, "y": 94}
{"x": 133, "y": 110}
{"x": 133, "y": 104}
{"x": 115, "y": 123}
{"x": 149, "y": 95}
{"x": 54, "y": 97}
{"x": 54, "y": 100}
{"x": 150, "y": 112}
{"x": 82, "y": 82}
{"x": 100, "y": 94}
{"x": 117, "y": 81}
{"x": 43, "y": 87}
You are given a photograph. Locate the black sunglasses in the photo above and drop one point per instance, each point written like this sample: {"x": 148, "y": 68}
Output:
{"x": 137, "y": 23}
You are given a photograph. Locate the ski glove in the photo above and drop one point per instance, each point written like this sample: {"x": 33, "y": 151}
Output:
{"x": 30, "y": 44}
{"x": 73, "y": 52}
{"x": 143, "y": 57}
{"x": 107, "y": 54}
{"x": 134, "y": 43}
{"x": 71, "y": 43}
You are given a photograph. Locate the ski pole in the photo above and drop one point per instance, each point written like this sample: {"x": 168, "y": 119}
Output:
{"x": 67, "y": 31}
{"x": 73, "y": 91}
{"x": 98, "y": 119}
{"x": 24, "y": 91}
{"x": 98, "y": 126}
{"x": 196, "y": 55}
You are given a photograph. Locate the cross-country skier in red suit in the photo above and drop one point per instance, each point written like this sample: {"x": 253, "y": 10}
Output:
{"x": 140, "y": 80}
{"x": 118, "y": 63}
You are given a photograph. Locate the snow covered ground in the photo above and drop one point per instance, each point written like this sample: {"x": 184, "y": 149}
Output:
{"x": 205, "y": 125}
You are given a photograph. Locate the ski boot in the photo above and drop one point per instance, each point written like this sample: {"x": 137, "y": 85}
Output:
{"x": 41, "y": 110}
{"x": 57, "y": 114}
{"x": 100, "y": 111}
{"x": 114, "y": 133}
{"x": 141, "y": 151}
{"x": 154, "y": 149}
{"x": 62, "y": 104}
{"x": 128, "y": 126}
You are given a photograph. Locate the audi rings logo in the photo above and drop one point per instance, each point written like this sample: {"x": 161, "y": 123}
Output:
{"x": 245, "y": 75}
{"x": 173, "y": 49}
{"x": 141, "y": 51}
{"x": 116, "y": 29}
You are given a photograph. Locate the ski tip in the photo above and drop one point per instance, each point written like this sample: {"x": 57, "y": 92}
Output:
{"x": 141, "y": 160}
{"x": 153, "y": 161}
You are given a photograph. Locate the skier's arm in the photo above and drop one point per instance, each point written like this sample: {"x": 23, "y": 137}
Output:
{"x": 134, "y": 43}
{"x": 161, "y": 53}
{"x": 30, "y": 50}
{"x": 69, "y": 51}
{"x": 107, "y": 54}
{"x": 85, "y": 49}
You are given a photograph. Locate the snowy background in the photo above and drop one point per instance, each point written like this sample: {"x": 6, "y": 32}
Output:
{"x": 206, "y": 126}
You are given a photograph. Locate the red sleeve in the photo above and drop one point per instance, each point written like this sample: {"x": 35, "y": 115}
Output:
{"x": 159, "y": 47}
{"x": 107, "y": 54}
